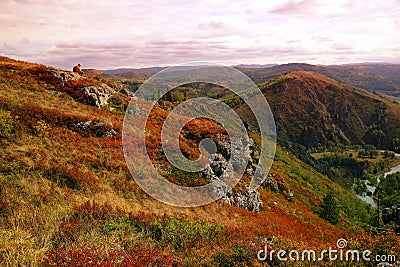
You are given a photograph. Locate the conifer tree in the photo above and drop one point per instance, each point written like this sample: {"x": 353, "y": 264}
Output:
{"x": 329, "y": 210}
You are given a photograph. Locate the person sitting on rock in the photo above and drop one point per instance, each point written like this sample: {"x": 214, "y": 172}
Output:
{"x": 77, "y": 69}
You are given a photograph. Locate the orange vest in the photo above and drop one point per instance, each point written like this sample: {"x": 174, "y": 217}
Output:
{"x": 77, "y": 69}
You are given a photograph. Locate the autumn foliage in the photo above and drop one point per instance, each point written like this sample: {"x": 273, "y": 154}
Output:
{"x": 68, "y": 199}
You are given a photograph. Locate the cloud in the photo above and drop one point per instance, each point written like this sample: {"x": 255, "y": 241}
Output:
{"x": 130, "y": 53}
{"x": 296, "y": 7}
{"x": 343, "y": 47}
{"x": 7, "y": 20}
{"x": 396, "y": 49}
{"x": 214, "y": 24}
{"x": 163, "y": 52}
{"x": 397, "y": 24}
{"x": 7, "y": 48}
{"x": 126, "y": 33}
{"x": 292, "y": 41}
{"x": 320, "y": 38}
{"x": 14, "y": 51}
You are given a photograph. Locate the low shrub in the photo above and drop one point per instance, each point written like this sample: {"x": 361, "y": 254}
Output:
{"x": 6, "y": 124}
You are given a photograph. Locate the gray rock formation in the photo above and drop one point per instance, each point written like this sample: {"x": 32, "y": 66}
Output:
{"x": 65, "y": 76}
{"x": 99, "y": 94}
{"x": 248, "y": 199}
{"x": 242, "y": 195}
{"x": 271, "y": 183}
{"x": 220, "y": 169}
{"x": 97, "y": 128}
{"x": 134, "y": 109}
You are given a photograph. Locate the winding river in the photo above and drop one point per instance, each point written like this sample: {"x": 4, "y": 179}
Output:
{"x": 369, "y": 199}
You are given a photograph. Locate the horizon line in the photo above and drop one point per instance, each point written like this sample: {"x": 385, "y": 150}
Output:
{"x": 228, "y": 65}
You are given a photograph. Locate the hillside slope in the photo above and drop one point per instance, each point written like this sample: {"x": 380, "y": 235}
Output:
{"x": 67, "y": 198}
{"x": 381, "y": 78}
{"x": 312, "y": 109}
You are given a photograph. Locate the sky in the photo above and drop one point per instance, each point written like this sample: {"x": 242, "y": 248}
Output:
{"x": 129, "y": 33}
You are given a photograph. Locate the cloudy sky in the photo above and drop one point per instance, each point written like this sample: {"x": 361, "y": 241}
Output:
{"x": 130, "y": 33}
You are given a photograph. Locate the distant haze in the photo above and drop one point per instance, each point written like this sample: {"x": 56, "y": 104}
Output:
{"x": 127, "y": 33}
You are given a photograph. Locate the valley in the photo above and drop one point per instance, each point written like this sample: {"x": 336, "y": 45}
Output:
{"x": 67, "y": 197}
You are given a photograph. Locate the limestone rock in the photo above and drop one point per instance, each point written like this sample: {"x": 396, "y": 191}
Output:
{"x": 95, "y": 128}
{"x": 99, "y": 94}
{"x": 249, "y": 199}
{"x": 271, "y": 183}
{"x": 65, "y": 76}
{"x": 221, "y": 170}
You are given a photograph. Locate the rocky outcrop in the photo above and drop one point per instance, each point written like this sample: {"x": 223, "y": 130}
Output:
{"x": 99, "y": 95}
{"x": 94, "y": 128}
{"x": 271, "y": 183}
{"x": 277, "y": 184}
{"x": 242, "y": 195}
{"x": 220, "y": 169}
{"x": 65, "y": 76}
{"x": 248, "y": 199}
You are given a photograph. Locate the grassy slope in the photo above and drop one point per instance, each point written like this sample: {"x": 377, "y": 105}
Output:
{"x": 66, "y": 198}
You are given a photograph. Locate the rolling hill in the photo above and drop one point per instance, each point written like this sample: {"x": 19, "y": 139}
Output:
{"x": 141, "y": 73}
{"x": 378, "y": 78}
{"x": 313, "y": 110}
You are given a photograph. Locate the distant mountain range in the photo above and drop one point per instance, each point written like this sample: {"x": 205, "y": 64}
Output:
{"x": 256, "y": 66}
{"x": 376, "y": 77}
{"x": 382, "y": 78}
{"x": 134, "y": 73}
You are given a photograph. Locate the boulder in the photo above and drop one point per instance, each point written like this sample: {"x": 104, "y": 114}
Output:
{"x": 65, "y": 76}
{"x": 221, "y": 170}
{"x": 94, "y": 128}
{"x": 271, "y": 183}
{"x": 99, "y": 95}
{"x": 248, "y": 199}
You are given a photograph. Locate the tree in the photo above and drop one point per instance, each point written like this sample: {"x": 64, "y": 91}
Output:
{"x": 376, "y": 131}
{"x": 329, "y": 210}
{"x": 389, "y": 190}
{"x": 174, "y": 96}
{"x": 396, "y": 144}
{"x": 380, "y": 115}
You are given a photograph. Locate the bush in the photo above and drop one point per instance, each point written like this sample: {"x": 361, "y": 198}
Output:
{"x": 6, "y": 124}
{"x": 100, "y": 255}
{"x": 41, "y": 128}
{"x": 239, "y": 256}
{"x": 359, "y": 186}
{"x": 184, "y": 234}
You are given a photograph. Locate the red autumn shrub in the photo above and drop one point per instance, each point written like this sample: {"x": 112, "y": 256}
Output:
{"x": 99, "y": 255}
{"x": 69, "y": 176}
